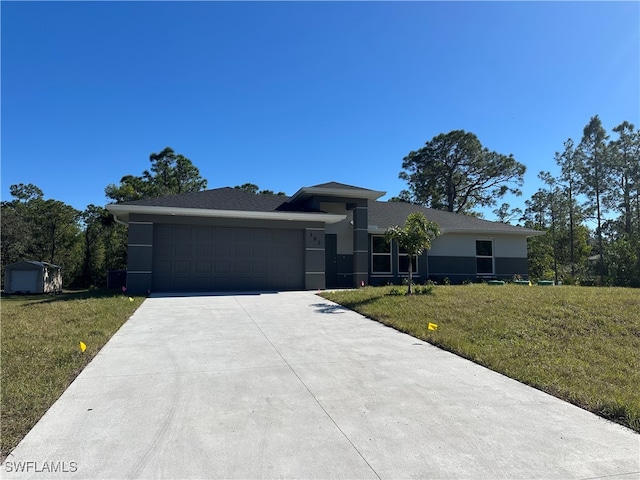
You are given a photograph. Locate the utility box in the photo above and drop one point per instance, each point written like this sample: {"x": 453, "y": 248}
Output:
{"x": 32, "y": 277}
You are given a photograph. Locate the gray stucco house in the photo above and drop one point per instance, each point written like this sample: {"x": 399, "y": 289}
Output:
{"x": 325, "y": 236}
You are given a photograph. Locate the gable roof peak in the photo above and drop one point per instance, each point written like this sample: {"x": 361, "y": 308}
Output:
{"x": 338, "y": 185}
{"x": 338, "y": 190}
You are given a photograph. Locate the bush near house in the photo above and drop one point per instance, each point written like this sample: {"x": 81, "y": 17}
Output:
{"x": 579, "y": 344}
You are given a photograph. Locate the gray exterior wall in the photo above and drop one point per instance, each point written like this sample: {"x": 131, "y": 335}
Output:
{"x": 396, "y": 277}
{"x": 453, "y": 256}
{"x": 359, "y": 250}
{"x": 458, "y": 269}
{"x": 140, "y": 255}
{"x": 141, "y": 234}
{"x": 314, "y": 258}
{"x": 463, "y": 245}
{"x": 360, "y": 244}
{"x": 508, "y": 267}
{"x": 343, "y": 230}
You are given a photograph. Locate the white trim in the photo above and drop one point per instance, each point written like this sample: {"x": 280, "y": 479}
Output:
{"x": 314, "y": 273}
{"x": 141, "y": 223}
{"x": 138, "y": 245}
{"x": 360, "y": 251}
{"x": 145, "y": 272}
{"x": 361, "y": 273}
{"x": 315, "y": 228}
{"x": 315, "y": 249}
{"x": 376, "y": 230}
{"x": 126, "y": 210}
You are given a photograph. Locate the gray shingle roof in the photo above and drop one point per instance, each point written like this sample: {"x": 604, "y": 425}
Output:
{"x": 382, "y": 215}
{"x": 386, "y": 214}
{"x": 339, "y": 186}
{"x": 226, "y": 198}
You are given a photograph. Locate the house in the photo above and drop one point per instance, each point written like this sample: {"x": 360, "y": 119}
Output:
{"x": 324, "y": 236}
{"x": 32, "y": 277}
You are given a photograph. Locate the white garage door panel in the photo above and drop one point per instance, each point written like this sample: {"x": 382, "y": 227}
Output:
{"x": 190, "y": 258}
{"x": 24, "y": 280}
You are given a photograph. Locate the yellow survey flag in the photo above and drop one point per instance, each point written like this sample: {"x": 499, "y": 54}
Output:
{"x": 433, "y": 326}
{"x": 131, "y": 299}
{"x": 83, "y": 347}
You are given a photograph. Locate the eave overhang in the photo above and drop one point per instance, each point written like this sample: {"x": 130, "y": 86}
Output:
{"x": 525, "y": 232}
{"x": 121, "y": 214}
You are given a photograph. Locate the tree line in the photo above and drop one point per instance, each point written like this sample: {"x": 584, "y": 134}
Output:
{"x": 89, "y": 243}
{"x": 590, "y": 211}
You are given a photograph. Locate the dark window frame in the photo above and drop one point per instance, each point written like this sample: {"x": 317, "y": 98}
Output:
{"x": 403, "y": 254}
{"x": 482, "y": 257}
{"x": 377, "y": 254}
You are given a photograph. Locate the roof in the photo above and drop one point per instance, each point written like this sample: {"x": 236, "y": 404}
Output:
{"x": 335, "y": 189}
{"x": 222, "y": 202}
{"x": 226, "y": 198}
{"x": 339, "y": 186}
{"x": 31, "y": 263}
{"x": 235, "y": 203}
{"x": 383, "y": 215}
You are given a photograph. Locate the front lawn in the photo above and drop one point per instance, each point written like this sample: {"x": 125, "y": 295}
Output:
{"x": 40, "y": 350}
{"x": 581, "y": 344}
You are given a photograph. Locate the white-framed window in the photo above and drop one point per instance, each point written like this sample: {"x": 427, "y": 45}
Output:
{"x": 403, "y": 262}
{"x": 484, "y": 257}
{"x": 380, "y": 255}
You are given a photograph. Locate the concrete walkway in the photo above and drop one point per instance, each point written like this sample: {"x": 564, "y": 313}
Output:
{"x": 289, "y": 385}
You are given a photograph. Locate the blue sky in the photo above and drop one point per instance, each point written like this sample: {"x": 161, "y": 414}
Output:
{"x": 291, "y": 94}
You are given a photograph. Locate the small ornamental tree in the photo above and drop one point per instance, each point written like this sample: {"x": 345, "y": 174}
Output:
{"x": 415, "y": 237}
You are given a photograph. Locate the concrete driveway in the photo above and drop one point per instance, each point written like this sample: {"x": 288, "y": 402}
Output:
{"x": 289, "y": 385}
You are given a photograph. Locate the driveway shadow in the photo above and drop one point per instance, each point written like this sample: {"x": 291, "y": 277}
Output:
{"x": 210, "y": 294}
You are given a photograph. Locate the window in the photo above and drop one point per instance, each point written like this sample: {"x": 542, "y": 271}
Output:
{"x": 380, "y": 255}
{"x": 484, "y": 257}
{"x": 403, "y": 262}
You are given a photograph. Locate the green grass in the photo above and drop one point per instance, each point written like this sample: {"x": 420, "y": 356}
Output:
{"x": 40, "y": 350}
{"x": 580, "y": 344}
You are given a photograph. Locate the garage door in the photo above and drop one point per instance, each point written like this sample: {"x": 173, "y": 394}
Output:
{"x": 25, "y": 281}
{"x": 205, "y": 258}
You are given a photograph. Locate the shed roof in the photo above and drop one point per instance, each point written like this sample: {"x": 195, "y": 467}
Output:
{"x": 32, "y": 264}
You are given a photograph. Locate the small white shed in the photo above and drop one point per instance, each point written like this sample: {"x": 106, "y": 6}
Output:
{"x": 32, "y": 277}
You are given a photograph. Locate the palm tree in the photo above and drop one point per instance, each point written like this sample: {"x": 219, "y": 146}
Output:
{"x": 415, "y": 237}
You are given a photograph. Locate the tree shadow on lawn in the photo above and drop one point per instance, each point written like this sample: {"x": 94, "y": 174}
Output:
{"x": 344, "y": 306}
{"x": 62, "y": 297}
{"x": 329, "y": 308}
